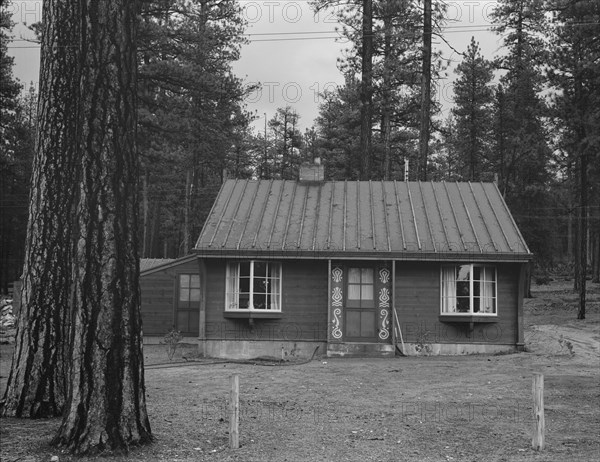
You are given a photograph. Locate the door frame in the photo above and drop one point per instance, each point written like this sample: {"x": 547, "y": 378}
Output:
{"x": 193, "y": 305}
{"x": 372, "y": 309}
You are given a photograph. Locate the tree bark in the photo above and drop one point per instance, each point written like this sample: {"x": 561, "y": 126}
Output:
{"x": 366, "y": 93}
{"x": 386, "y": 103}
{"x": 570, "y": 227}
{"x": 582, "y": 228}
{"x": 186, "y": 213}
{"x": 107, "y": 406}
{"x": 145, "y": 222}
{"x": 38, "y": 380}
{"x": 425, "y": 93}
{"x": 596, "y": 255}
{"x": 576, "y": 194}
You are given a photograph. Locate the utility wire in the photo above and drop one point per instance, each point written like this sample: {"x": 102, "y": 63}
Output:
{"x": 277, "y": 36}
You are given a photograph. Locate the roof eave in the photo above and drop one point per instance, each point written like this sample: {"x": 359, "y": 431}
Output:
{"x": 170, "y": 264}
{"x": 362, "y": 255}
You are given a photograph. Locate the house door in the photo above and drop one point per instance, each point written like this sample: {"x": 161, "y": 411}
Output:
{"x": 187, "y": 312}
{"x": 359, "y": 309}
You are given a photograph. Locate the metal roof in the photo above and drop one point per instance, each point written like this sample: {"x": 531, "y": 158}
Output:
{"x": 149, "y": 263}
{"x": 152, "y": 265}
{"x": 361, "y": 219}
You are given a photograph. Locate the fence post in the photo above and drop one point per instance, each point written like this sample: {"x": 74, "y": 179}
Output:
{"x": 234, "y": 412}
{"x": 539, "y": 429}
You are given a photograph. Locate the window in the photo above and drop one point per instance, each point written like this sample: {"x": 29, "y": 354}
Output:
{"x": 360, "y": 305}
{"x": 253, "y": 285}
{"x": 469, "y": 290}
{"x": 189, "y": 289}
{"x": 360, "y": 287}
{"x": 188, "y": 304}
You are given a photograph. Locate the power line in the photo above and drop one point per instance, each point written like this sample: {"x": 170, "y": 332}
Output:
{"x": 313, "y": 35}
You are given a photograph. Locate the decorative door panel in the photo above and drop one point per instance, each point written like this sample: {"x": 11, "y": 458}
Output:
{"x": 384, "y": 293}
{"x": 360, "y": 303}
{"x": 336, "y": 303}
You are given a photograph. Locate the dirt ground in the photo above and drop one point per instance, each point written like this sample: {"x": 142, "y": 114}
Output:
{"x": 469, "y": 408}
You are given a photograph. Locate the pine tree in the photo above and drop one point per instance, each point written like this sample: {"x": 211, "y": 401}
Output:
{"x": 38, "y": 380}
{"x": 425, "y": 113}
{"x": 9, "y": 86}
{"x": 574, "y": 72}
{"x": 16, "y": 152}
{"x": 396, "y": 82}
{"x": 338, "y": 131}
{"x": 521, "y": 152}
{"x": 286, "y": 143}
{"x": 472, "y": 115}
{"x": 106, "y": 408}
{"x": 366, "y": 91}
{"x": 191, "y": 115}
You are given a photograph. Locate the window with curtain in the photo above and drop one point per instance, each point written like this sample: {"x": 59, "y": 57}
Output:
{"x": 253, "y": 285}
{"x": 468, "y": 289}
{"x": 360, "y": 287}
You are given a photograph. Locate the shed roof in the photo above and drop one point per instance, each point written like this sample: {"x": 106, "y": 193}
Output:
{"x": 361, "y": 219}
{"x": 149, "y": 263}
{"x": 152, "y": 265}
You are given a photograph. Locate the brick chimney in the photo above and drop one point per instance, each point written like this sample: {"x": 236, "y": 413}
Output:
{"x": 312, "y": 172}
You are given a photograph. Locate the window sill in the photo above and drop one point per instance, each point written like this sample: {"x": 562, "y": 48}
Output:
{"x": 255, "y": 314}
{"x": 470, "y": 318}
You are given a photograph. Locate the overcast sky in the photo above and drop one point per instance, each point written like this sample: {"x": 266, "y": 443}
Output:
{"x": 292, "y": 52}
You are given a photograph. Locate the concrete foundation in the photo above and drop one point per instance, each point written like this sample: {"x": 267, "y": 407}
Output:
{"x": 360, "y": 350}
{"x": 157, "y": 339}
{"x": 449, "y": 349}
{"x": 243, "y": 349}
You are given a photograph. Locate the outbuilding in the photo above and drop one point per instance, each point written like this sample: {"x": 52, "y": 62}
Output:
{"x": 170, "y": 290}
{"x": 349, "y": 266}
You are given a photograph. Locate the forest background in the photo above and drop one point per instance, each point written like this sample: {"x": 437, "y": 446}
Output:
{"x": 528, "y": 119}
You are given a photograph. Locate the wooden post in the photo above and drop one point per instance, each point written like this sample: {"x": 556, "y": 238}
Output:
{"x": 234, "y": 412}
{"x": 400, "y": 332}
{"x": 202, "y": 317}
{"x": 537, "y": 442}
{"x": 520, "y": 295}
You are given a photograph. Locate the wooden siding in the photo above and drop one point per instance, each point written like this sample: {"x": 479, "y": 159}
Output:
{"x": 303, "y": 313}
{"x": 158, "y": 290}
{"x": 417, "y": 301}
{"x": 305, "y": 299}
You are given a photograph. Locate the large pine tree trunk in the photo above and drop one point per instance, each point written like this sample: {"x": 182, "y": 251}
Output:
{"x": 576, "y": 197}
{"x": 596, "y": 254}
{"x": 186, "y": 213}
{"x": 386, "y": 101}
{"x": 107, "y": 407}
{"x": 425, "y": 93}
{"x": 582, "y": 236}
{"x": 366, "y": 93}
{"x": 145, "y": 221}
{"x": 37, "y": 384}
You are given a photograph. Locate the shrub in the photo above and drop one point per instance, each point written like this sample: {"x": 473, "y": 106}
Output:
{"x": 172, "y": 340}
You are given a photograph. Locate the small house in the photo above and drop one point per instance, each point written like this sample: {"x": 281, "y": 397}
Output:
{"x": 170, "y": 290}
{"x": 350, "y": 266}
